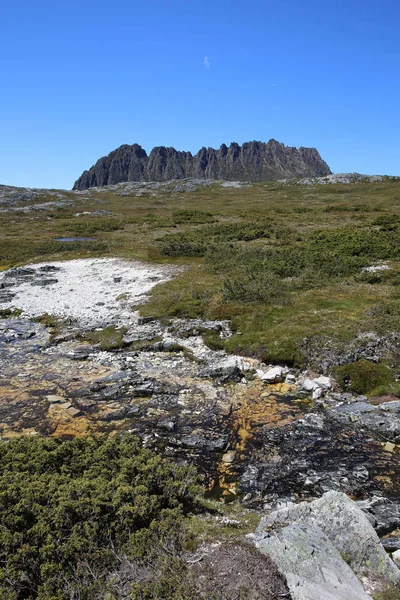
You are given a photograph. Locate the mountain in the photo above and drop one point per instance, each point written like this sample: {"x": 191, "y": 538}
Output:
{"x": 253, "y": 161}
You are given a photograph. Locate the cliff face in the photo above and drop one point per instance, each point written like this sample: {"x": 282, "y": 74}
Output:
{"x": 253, "y": 161}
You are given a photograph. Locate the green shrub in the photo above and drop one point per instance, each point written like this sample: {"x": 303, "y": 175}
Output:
{"x": 364, "y": 376}
{"x": 69, "y": 511}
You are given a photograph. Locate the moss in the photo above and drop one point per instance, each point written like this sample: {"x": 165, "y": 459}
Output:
{"x": 110, "y": 338}
{"x": 366, "y": 377}
{"x": 9, "y": 313}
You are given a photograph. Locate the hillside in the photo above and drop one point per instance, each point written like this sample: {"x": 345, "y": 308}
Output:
{"x": 247, "y": 332}
{"x": 253, "y": 161}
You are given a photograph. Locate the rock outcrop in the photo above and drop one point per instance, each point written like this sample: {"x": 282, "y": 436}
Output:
{"x": 253, "y": 161}
{"x": 326, "y": 549}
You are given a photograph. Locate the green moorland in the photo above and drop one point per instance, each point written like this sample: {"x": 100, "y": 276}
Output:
{"x": 283, "y": 262}
{"x": 86, "y": 519}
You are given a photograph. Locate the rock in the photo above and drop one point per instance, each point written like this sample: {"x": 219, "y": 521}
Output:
{"x": 53, "y": 399}
{"x": 274, "y": 375}
{"x": 169, "y": 424}
{"x": 49, "y": 269}
{"x": 391, "y": 544}
{"x": 389, "y": 447}
{"x": 308, "y": 385}
{"x": 124, "y": 412}
{"x": 317, "y": 393}
{"x": 74, "y": 412}
{"x": 253, "y": 161}
{"x": 382, "y": 513}
{"x": 312, "y": 566}
{"x": 396, "y": 558}
{"x": 223, "y": 373}
{"x": 290, "y": 379}
{"x": 383, "y": 419}
{"x": 44, "y": 282}
{"x": 323, "y": 382}
{"x": 229, "y": 457}
{"x": 345, "y": 530}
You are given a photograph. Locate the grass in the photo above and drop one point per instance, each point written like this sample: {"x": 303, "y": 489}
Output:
{"x": 283, "y": 262}
{"x": 110, "y": 338}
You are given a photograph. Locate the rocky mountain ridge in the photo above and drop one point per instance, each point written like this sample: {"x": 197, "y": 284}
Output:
{"x": 253, "y": 161}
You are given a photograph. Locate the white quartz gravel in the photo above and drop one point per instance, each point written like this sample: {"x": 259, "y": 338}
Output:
{"x": 94, "y": 292}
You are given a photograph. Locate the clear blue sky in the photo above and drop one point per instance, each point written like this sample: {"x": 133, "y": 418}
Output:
{"x": 78, "y": 79}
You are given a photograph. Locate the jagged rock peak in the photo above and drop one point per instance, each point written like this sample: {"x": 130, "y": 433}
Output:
{"x": 253, "y": 161}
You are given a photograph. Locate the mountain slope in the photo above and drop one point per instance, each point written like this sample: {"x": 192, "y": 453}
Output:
{"x": 253, "y": 161}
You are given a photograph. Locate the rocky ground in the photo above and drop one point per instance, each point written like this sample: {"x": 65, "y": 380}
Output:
{"x": 77, "y": 358}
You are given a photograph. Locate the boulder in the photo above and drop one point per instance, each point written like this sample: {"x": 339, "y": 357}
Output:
{"x": 307, "y": 541}
{"x": 314, "y": 569}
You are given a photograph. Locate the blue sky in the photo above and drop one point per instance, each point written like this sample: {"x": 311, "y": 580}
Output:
{"x": 78, "y": 79}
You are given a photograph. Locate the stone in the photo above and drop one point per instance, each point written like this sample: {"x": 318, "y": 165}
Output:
{"x": 382, "y": 513}
{"x": 391, "y": 544}
{"x": 389, "y": 447}
{"x": 229, "y": 457}
{"x": 290, "y": 379}
{"x": 53, "y": 399}
{"x": 396, "y": 558}
{"x": 74, "y": 412}
{"x": 345, "y": 526}
{"x": 308, "y": 385}
{"x": 44, "y": 282}
{"x": 383, "y": 419}
{"x": 274, "y": 375}
{"x": 323, "y": 382}
{"x": 317, "y": 393}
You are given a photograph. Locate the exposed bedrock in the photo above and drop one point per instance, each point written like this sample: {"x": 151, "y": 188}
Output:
{"x": 253, "y": 161}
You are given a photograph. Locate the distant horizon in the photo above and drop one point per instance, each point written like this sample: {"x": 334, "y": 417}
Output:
{"x": 83, "y": 78}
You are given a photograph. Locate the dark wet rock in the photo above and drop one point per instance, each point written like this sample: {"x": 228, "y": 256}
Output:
{"x": 44, "y": 282}
{"x": 198, "y": 441}
{"x": 311, "y": 456}
{"x": 391, "y": 544}
{"x": 169, "y": 424}
{"x": 383, "y": 513}
{"x": 223, "y": 373}
{"x": 382, "y": 419}
{"x": 20, "y": 273}
{"x": 253, "y": 161}
{"x": 6, "y": 296}
{"x": 116, "y": 414}
{"x": 49, "y": 269}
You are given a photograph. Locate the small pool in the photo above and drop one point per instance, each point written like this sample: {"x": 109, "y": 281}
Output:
{"x": 75, "y": 239}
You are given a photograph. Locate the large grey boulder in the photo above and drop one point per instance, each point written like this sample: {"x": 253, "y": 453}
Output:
{"x": 312, "y": 566}
{"x": 326, "y": 543}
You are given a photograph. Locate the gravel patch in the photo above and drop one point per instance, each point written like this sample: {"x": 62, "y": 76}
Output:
{"x": 93, "y": 292}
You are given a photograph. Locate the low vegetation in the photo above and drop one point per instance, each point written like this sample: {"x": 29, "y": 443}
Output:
{"x": 91, "y": 519}
{"x": 293, "y": 267}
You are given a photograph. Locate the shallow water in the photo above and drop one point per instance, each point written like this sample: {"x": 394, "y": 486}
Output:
{"x": 75, "y": 239}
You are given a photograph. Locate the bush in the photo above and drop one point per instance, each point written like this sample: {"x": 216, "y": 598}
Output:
{"x": 70, "y": 510}
{"x": 363, "y": 376}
